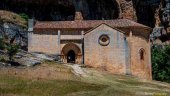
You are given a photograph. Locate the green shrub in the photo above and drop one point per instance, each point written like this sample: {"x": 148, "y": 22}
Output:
{"x": 24, "y": 16}
{"x": 2, "y": 59}
{"x": 12, "y": 49}
{"x": 2, "y": 44}
{"x": 161, "y": 63}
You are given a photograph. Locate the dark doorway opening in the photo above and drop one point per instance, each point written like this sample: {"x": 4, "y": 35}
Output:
{"x": 71, "y": 57}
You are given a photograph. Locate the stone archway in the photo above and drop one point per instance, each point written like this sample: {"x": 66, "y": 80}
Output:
{"x": 71, "y": 53}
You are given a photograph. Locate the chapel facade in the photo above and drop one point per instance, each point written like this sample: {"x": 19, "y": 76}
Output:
{"x": 120, "y": 46}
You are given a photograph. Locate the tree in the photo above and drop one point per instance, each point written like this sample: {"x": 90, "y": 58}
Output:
{"x": 7, "y": 40}
{"x": 161, "y": 63}
{"x": 12, "y": 49}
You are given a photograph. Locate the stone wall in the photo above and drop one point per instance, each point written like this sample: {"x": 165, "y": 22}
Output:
{"x": 46, "y": 42}
{"x": 111, "y": 57}
{"x": 122, "y": 55}
{"x": 138, "y": 67}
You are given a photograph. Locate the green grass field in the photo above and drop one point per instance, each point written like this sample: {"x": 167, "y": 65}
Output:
{"x": 11, "y": 85}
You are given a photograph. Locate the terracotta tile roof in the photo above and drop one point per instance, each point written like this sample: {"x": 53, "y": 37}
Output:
{"x": 86, "y": 24}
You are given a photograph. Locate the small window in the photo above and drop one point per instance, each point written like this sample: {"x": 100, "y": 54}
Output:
{"x": 142, "y": 53}
{"x": 104, "y": 40}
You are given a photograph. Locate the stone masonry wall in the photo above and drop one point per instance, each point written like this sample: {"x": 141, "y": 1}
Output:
{"x": 122, "y": 55}
{"x": 111, "y": 57}
{"x": 46, "y": 42}
{"x": 138, "y": 67}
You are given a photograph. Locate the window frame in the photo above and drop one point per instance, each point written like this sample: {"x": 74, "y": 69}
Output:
{"x": 142, "y": 54}
{"x": 104, "y": 36}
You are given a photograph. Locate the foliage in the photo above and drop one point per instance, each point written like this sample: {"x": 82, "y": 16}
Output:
{"x": 8, "y": 44}
{"x": 12, "y": 49}
{"x": 14, "y": 18}
{"x": 2, "y": 44}
{"x": 24, "y": 16}
{"x": 161, "y": 63}
{"x": 2, "y": 59}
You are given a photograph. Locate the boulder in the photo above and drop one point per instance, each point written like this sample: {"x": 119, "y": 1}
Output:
{"x": 43, "y": 56}
{"x": 29, "y": 61}
{"x": 4, "y": 64}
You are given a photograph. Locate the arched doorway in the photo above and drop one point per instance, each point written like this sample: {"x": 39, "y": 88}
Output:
{"x": 71, "y": 57}
{"x": 71, "y": 53}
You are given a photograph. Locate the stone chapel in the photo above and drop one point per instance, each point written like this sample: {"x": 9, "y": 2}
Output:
{"x": 120, "y": 46}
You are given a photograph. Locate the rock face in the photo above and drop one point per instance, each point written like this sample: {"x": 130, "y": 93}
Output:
{"x": 65, "y": 9}
{"x": 32, "y": 59}
{"x": 166, "y": 13}
{"x": 127, "y": 9}
{"x": 14, "y": 34}
{"x": 153, "y": 13}
{"x": 147, "y": 12}
{"x": 161, "y": 32}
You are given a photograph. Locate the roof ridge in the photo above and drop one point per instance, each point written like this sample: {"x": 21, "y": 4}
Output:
{"x": 85, "y": 20}
{"x": 87, "y": 24}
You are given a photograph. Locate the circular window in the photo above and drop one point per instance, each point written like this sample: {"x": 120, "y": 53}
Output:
{"x": 104, "y": 40}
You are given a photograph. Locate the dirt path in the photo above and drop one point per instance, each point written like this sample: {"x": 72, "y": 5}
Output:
{"x": 77, "y": 70}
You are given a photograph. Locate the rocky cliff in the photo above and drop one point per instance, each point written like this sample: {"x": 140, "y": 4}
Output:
{"x": 161, "y": 31}
{"x": 147, "y": 12}
{"x": 13, "y": 28}
{"x": 65, "y": 9}
{"x": 153, "y": 13}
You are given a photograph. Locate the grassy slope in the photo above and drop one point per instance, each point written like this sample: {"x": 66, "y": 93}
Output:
{"x": 18, "y": 86}
{"x": 51, "y": 79}
{"x": 120, "y": 85}
{"x": 12, "y": 17}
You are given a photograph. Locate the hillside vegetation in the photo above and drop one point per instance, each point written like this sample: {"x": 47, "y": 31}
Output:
{"x": 11, "y": 17}
{"x": 161, "y": 63}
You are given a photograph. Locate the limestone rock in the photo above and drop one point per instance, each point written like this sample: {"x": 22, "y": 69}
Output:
{"x": 29, "y": 61}
{"x": 14, "y": 33}
{"x": 43, "y": 57}
{"x": 2, "y": 64}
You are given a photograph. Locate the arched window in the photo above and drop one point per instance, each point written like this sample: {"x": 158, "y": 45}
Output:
{"x": 142, "y": 54}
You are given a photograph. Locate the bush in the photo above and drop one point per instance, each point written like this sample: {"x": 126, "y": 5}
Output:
{"x": 2, "y": 44}
{"x": 2, "y": 59}
{"x": 161, "y": 63}
{"x": 12, "y": 49}
{"x": 24, "y": 16}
